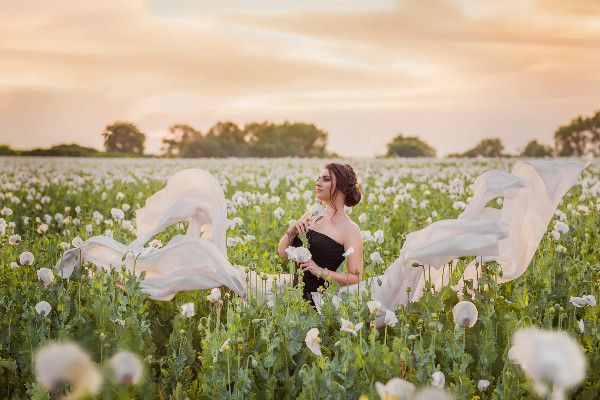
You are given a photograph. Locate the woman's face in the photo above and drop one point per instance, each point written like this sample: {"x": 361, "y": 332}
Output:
{"x": 325, "y": 185}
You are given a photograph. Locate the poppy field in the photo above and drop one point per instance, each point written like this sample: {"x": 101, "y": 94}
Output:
{"x": 98, "y": 335}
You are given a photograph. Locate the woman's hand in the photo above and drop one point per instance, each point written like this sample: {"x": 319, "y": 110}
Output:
{"x": 300, "y": 226}
{"x": 311, "y": 267}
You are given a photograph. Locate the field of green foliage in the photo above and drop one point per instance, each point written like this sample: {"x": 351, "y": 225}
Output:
{"x": 128, "y": 346}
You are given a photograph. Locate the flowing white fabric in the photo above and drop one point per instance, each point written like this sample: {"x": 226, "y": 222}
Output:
{"x": 198, "y": 260}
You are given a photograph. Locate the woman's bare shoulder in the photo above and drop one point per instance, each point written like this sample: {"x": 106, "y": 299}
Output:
{"x": 352, "y": 229}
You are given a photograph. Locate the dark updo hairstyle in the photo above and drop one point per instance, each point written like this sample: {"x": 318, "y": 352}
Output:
{"x": 346, "y": 182}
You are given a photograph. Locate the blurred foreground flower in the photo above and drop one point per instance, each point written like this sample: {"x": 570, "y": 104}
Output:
{"x": 438, "y": 380}
{"x": 395, "y": 388}
{"x": 127, "y": 367}
{"x": 433, "y": 394}
{"x": 551, "y": 359}
{"x": 57, "y": 364}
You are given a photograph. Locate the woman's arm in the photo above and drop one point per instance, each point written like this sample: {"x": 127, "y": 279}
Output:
{"x": 354, "y": 261}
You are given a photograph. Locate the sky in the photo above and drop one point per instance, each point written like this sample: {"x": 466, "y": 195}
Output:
{"x": 449, "y": 71}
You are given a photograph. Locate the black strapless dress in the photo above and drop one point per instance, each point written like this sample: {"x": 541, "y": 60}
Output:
{"x": 326, "y": 253}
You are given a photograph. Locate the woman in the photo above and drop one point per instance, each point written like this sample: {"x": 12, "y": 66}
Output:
{"x": 329, "y": 236}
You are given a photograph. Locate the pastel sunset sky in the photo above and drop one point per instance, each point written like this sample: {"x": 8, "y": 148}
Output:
{"x": 450, "y": 71}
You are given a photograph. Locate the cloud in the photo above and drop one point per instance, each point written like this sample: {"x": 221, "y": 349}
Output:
{"x": 451, "y": 71}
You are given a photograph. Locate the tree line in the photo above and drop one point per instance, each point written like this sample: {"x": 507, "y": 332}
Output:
{"x": 580, "y": 137}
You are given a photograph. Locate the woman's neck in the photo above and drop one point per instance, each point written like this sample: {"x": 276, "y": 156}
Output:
{"x": 330, "y": 211}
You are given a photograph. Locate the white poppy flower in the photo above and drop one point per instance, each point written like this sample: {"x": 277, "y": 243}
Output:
{"x": 561, "y": 227}
{"x": 45, "y": 275}
{"x": 6, "y": 211}
{"x": 14, "y": 265}
{"x": 278, "y": 213}
{"x": 465, "y": 314}
{"x": 89, "y": 228}
{"x": 187, "y": 310}
{"x": 312, "y": 341}
{"x": 316, "y": 210}
{"x": 376, "y": 257}
{"x": 97, "y": 217}
{"x": 60, "y": 363}
{"x": 42, "y": 228}
{"x": 378, "y": 236}
{"x": 459, "y": 205}
{"x": 374, "y": 306}
{"x": 298, "y": 254}
{"x": 583, "y": 301}
{"x": 302, "y": 254}
{"x": 483, "y": 384}
{"x": 438, "y": 380}
{"x": 127, "y": 367}
{"x": 362, "y": 218}
{"x": 395, "y": 388}
{"x": 551, "y": 359}
{"x": 215, "y": 295}
{"x": 555, "y": 235}
{"x": 120, "y": 196}
{"x": 348, "y": 326}
{"x": 117, "y": 213}
{"x": 561, "y": 249}
{"x": 77, "y": 241}
{"x": 43, "y": 308}
{"x": 14, "y": 239}
{"x": 224, "y": 346}
{"x": 349, "y": 251}
{"x": 390, "y": 318}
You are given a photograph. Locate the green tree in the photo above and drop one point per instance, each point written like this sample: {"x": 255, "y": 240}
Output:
{"x": 409, "y": 146}
{"x": 123, "y": 137}
{"x": 490, "y": 147}
{"x": 63, "y": 150}
{"x": 6, "y": 150}
{"x": 178, "y": 137}
{"x": 230, "y": 138}
{"x": 535, "y": 149}
{"x": 581, "y": 137}
{"x": 289, "y": 139}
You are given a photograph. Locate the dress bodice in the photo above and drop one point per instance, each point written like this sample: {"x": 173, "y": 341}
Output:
{"x": 326, "y": 253}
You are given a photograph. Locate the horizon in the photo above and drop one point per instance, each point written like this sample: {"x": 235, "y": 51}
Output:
{"x": 451, "y": 72}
